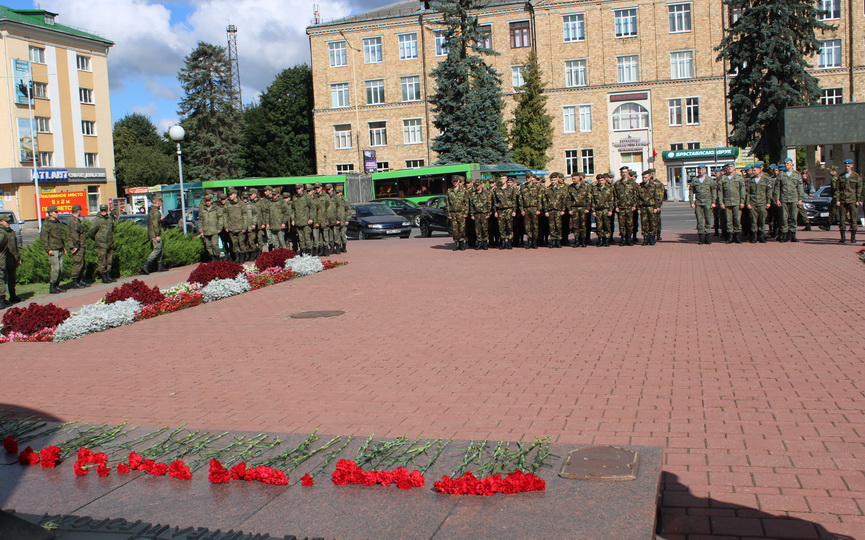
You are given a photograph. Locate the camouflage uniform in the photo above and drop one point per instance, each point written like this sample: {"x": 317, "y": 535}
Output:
{"x": 788, "y": 194}
{"x": 480, "y": 205}
{"x": 235, "y": 222}
{"x": 102, "y": 233}
{"x": 732, "y": 194}
{"x": 625, "y": 194}
{"x": 603, "y": 200}
{"x": 660, "y": 192}
{"x": 759, "y": 201}
{"x": 275, "y": 222}
{"x": 457, "y": 205}
{"x": 154, "y": 232}
{"x": 702, "y": 194}
{"x": 343, "y": 214}
{"x": 849, "y": 195}
{"x": 330, "y": 229}
{"x": 9, "y": 260}
{"x": 530, "y": 203}
{"x": 263, "y": 204}
{"x": 580, "y": 206}
{"x": 209, "y": 225}
{"x": 646, "y": 195}
{"x": 321, "y": 205}
{"x": 253, "y": 215}
{"x": 504, "y": 205}
{"x": 77, "y": 239}
{"x": 554, "y": 203}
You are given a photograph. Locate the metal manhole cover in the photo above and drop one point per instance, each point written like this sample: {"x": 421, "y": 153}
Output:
{"x": 601, "y": 463}
{"x": 316, "y": 314}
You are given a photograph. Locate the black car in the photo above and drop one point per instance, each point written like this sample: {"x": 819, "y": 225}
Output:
{"x": 172, "y": 219}
{"x": 403, "y": 207}
{"x": 817, "y": 210}
{"x": 376, "y": 220}
{"x": 434, "y": 216}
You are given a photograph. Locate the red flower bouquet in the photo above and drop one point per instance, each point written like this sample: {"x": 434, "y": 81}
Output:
{"x": 347, "y": 473}
{"x": 10, "y": 444}
{"x": 217, "y": 474}
{"x": 467, "y": 484}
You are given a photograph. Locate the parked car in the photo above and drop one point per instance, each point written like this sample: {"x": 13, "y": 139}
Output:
{"x": 823, "y": 192}
{"x": 403, "y": 207}
{"x": 817, "y": 210}
{"x": 172, "y": 219}
{"x": 376, "y": 220}
{"x": 14, "y": 224}
{"x": 138, "y": 219}
{"x": 434, "y": 216}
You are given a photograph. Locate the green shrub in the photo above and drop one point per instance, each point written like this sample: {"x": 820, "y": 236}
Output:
{"x": 180, "y": 250}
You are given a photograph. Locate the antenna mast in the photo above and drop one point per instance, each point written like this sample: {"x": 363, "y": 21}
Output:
{"x": 234, "y": 66}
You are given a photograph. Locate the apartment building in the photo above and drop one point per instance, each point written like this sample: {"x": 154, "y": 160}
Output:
{"x": 633, "y": 83}
{"x": 56, "y": 115}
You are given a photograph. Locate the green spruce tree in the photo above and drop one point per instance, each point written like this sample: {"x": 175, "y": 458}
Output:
{"x": 767, "y": 50}
{"x": 532, "y": 132}
{"x": 467, "y": 103}
{"x": 212, "y": 123}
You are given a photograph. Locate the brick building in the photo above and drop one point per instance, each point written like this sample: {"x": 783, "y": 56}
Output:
{"x": 56, "y": 114}
{"x": 626, "y": 80}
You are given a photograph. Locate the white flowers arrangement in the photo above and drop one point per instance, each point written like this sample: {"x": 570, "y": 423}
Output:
{"x": 184, "y": 287}
{"x": 223, "y": 288}
{"x": 304, "y": 265}
{"x": 96, "y": 318}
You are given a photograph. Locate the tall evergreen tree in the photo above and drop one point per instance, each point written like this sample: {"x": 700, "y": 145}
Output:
{"x": 141, "y": 156}
{"x": 467, "y": 103}
{"x": 207, "y": 113}
{"x": 532, "y": 132}
{"x": 767, "y": 50}
{"x": 278, "y": 133}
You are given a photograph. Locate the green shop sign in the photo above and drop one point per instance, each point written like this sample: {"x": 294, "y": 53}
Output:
{"x": 702, "y": 153}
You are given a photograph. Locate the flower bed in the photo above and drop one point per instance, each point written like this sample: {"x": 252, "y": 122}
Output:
{"x": 275, "y": 258}
{"x": 137, "y": 290}
{"x": 207, "y": 272}
{"x": 33, "y": 319}
{"x": 171, "y": 304}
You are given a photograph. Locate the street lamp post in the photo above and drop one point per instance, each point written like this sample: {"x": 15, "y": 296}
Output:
{"x": 177, "y": 133}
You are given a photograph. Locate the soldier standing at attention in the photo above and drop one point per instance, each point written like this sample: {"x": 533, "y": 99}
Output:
{"x": 788, "y": 194}
{"x": 343, "y": 214}
{"x": 303, "y": 209}
{"x": 833, "y": 204}
{"x": 624, "y": 191}
{"x": 319, "y": 219}
{"x": 660, "y": 194}
{"x": 456, "y": 200}
{"x": 77, "y": 239}
{"x": 731, "y": 196}
{"x": 10, "y": 259}
{"x": 759, "y": 201}
{"x": 275, "y": 221}
{"x": 253, "y": 216}
{"x": 800, "y": 210}
{"x": 646, "y": 194}
{"x": 234, "y": 221}
{"x": 849, "y": 195}
{"x": 154, "y": 231}
{"x": 504, "y": 202}
{"x": 102, "y": 233}
{"x": 209, "y": 225}
{"x": 530, "y": 202}
{"x": 332, "y": 221}
{"x": 580, "y": 208}
{"x": 602, "y": 208}
{"x": 554, "y": 208}
{"x": 480, "y": 206}
{"x": 702, "y": 194}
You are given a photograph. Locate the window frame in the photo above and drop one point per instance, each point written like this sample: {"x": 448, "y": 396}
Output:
{"x": 85, "y": 96}
{"x": 676, "y": 64}
{"x": 587, "y": 160}
{"x": 414, "y": 163}
{"x": 576, "y": 73}
{"x": 380, "y": 133}
{"x": 582, "y": 110}
{"x": 621, "y": 68}
{"x": 675, "y": 112}
{"x": 680, "y": 19}
{"x": 91, "y": 159}
{"x": 407, "y": 46}
{"x": 88, "y": 128}
{"x": 836, "y": 99}
{"x": 375, "y": 92}
{"x": 574, "y": 31}
{"x": 412, "y": 133}
{"x": 441, "y": 42}
{"x": 617, "y": 118}
{"x": 37, "y": 52}
{"x": 40, "y": 90}
{"x": 831, "y": 14}
{"x": 835, "y": 51}
{"x": 336, "y": 53}
{"x": 517, "y": 73}
{"x": 373, "y": 52}
{"x": 625, "y": 23}
{"x": 43, "y": 124}
{"x": 339, "y": 90}
{"x": 341, "y": 135}
{"x": 520, "y": 33}
{"x": 45, "y": 158}
{"x": 410, "y": 82}
{"x": 569, "y": 118}
{"x": 486, "y": 30}
{"x": 346, "y": 168}
{"x": 692, "y": 111}
{"x": 83, "y": 63}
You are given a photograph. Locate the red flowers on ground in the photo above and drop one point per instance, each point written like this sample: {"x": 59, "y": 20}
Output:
{"x": 135, "y": 289}
{"x": 347, "y": 473}
{"x": 307, "y": 480}
{"x": 10, "y": 444}
{"x": 179, "y": 470}
{"x": 28, "y": 457}
{"x": 170, "y": 305}
{"x": 274, "y": 259}
{"x": 205, "y": 273}
{"x": 88, "y": 460}
{"x": 262, "y": 473}
{"x": 33, "y": 318}
{"x": 467, "y": 484}
{"x": 49, "y": 457}
{"x": 217, "y": 474}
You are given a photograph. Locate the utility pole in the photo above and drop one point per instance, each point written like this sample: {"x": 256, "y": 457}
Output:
{"x": 234, "y": 66}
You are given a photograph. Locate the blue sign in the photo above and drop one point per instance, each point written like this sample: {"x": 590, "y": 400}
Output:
{"x": 53, "y": 175}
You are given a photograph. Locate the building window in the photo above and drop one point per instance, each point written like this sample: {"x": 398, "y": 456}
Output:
{"x": 40, "y": 90}
{"x": 628, "y": 68}
{"x": 83, "y": 62}
{"x": 680, "y": 17}
{"x": 414, "y": 163}
{"x": 682, "y": 65}
{"x": 45, "y": 159}
{"x": 829, "y": 9}
{"x": 521, "y": 35}
{"x": 692, "y": 111}
{"x": 626, "y": 22}
{"x": 585, "y": 118}
{"x": 441, "y": 43}
{"x": 85, "y": 95}
{"x": 486, "y": 32}
{"x": 569, "y": 115}
{"x": 517, "y": 76}
{"x": 93, "y": 199}
{"x": 630, "y": 116}
{"x": 575, "y": 73}
{"x": 675, "y": 108}
{"x": 410, "y": 88}
{"x": 411, "y": 131}
{"x": 91, "y": 160}
{"x": 342, "y": 136}
{"x": 574, "y": 27}
{"x": 407, "y": 46}
{"x": 43, "y": 124}
{"x": 339, "y": 95}
{"x": 382, "y": 166}
{"x": 378, "y": 134}
{"x": 337, "y": 52}
{"x": 693, "y": 146}
{"x": 37, "y": 55}
{"x": 587, "y": 157}
{"x": 677, "y": 146}
{"x": 342, "y": 168}
{"x": 88, "y": 127}
{"x": 829, "y": 96}
{"x": 572, "y": 161}
{"x": 372, "y": 50}
{"x": 830, "y": 54}
{"x": 375, "y": 92}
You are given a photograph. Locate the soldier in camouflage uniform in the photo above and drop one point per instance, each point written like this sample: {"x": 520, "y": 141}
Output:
{"x": 343, "y": 214}
{"x": 457, "y": 205}
{"x": 154, "y": 232}
{"x": 209, "y": 225}
{"x": 603, "y": 201}
{"x": 702, "y": 194}
{"x": 235, "y": 222}
{"x": 102, "y": 233}
{"x": 646, "y": 196}
{"x": 554, "y": 203}
{"x": 330, "y": 230}
{"x": 504, "y": 209}
{"x": 516, "y": 222}
{"x": 788, "y": 193}
{"x": 321, "y": 205}
{"x": 303, "y": 208}
{"x": 625, "y": 200}
{"x": 530, "y": 209}
{"x": 10, "y": 259}
{"x": 833, "y": 204}
{"x": 732, "y": 194}
{"x": 580, "y": 207}
{"x": 480, "y": 208}
{"x": 275, "y": 221}
{"x": 849, "y": 195}
{"x": 253, "y": 215}
{"x": 51, "y": 237}
{"x": 660, "y": 194}
{"x": 77, "y": 239}
{"x": 758, "y": 201}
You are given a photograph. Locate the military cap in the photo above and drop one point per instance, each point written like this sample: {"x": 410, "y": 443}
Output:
{"x": 50, "y": 209}
{"x": 310, "y": 187}
{"x": 788, "y": 159}
{"x": 253, "y": 190}
{"x": 832, "y": 167}
{"x": 286, "y": 194}
{"x": 268, "y": 188}
{"x": 458, "y": 178}
{"x": 338, "y": 188}
{"x": 848, "y": 161}
{"x": 231, "y": 190}
{"x": 328, "y": 186}
{"x": 156, "y": 197}
{"x": 649, "y": 171}
{"x": 222, "y": 196}
{"x": 103, "y": 207}
{"x": 730, "y": 164}
{"x": 76, "y": 207}
{"x": 208, "y": 190}
{"x": 244, "y": 194}
{"x": 317, "y": 185}
{"x": 208, "y": 197}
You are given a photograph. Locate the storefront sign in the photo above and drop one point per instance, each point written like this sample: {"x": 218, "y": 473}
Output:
{"x": 635, "y": 96}
{"x": 53, "y": 175}
{"x": 145, "y": 189}
{"x": 630, "y": 144}
{"x": 63, "y": 200}
{"x": 711, "y": 153}
{"x": 98, "y": 174}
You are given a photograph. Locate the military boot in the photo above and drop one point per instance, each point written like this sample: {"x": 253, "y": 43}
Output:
{"x": 729, "y": 239}
{"x": 105, "y": 278}
{"x": 843, "y": 238}
{"x": 658, "y": 236}
{"x": 852, "y": 237}
{"x": 76, "y": 285}
{"x": 57, "y": 288}
{"x": 762, "y": 238}
{"x": 737, "y": 238}
{"x": 144, "y": 269}
{"x": 752, "y": 238}
{"x": 456, "y": 246}
{"x": 782, "y": 237}
{"x": 808, "y": 227}
{"x": 793, "y": 237}
{"x": 645, "y": 241}
{"x": 699, "y": 239}
{"x": 707, "y": 239}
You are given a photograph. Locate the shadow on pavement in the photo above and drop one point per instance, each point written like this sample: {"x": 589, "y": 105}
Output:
{"x": 683, "y": 514}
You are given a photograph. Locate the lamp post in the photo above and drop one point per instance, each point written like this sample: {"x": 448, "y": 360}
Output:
{"x": 177, "y": 133}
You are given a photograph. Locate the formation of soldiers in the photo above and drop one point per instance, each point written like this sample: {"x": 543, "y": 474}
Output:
{"x": 314, "y": 220}
{"x": 548, "y": 212}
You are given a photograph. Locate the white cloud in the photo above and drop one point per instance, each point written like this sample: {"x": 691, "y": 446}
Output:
{"x": 151, "y": 109}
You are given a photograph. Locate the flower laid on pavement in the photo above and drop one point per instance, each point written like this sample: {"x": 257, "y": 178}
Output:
{"x": 467, "y": 484}
{"x": 347, "y": 472}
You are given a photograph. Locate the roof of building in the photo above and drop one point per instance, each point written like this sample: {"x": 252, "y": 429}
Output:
{"x": 38, "y": 17}
{"x": 402, "y": 9}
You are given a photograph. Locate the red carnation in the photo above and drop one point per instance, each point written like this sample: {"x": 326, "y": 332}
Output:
{"x": 10, "y": 444}
{"x": 267, "y": 475}
{"x": 103, "y": 469}
{"x": 28, "y": 457}
{"x": 158, "y": 469}
{"x": 80, "y": 470}
{"x": 217, "y": 473}
{"x": 307, "y": 480}
{"x": 238, "y": 472}
{"x": 123, "y": 468}
{"x": 135, "y": 461}
{"x": 179, "y": 470}
{"x": 49, "y": 456}
{"x": 85, "y": 455}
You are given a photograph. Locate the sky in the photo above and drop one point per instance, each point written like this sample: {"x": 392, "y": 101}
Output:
{"x": 152, "y": 37}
